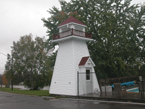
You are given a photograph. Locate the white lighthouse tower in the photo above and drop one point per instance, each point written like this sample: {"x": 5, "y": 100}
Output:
{"x": 74, "y": 69}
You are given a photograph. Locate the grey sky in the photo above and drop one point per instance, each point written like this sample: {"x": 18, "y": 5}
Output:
{"x": 21, "y": 17}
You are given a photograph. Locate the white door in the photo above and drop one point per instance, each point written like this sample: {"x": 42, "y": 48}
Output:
{"x": 89, "y": 88}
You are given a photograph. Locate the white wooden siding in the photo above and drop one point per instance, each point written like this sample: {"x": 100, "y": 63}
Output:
{"x": 95, "y": 83}
{"x": 63, "y": 76}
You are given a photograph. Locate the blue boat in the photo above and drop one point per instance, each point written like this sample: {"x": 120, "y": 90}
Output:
{"x": 126, "y": 84}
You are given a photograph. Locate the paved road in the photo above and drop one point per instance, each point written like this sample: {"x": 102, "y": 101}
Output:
{"x": 16, "y": 101}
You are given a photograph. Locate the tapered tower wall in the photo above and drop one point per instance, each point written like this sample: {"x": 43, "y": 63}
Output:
{"x": 63, "y": 75}
{"x": 64, "y": 80}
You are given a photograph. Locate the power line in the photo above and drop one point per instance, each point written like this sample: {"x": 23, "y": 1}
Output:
{"x": 3, "y": 53}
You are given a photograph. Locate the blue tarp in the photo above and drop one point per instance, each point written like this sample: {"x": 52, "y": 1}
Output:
{"x": 126, "y": 84}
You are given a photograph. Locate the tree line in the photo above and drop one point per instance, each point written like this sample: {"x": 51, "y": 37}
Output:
{"x": 118, "y": 30}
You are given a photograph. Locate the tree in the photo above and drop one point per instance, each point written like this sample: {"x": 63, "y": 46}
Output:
{"x": 9, "y": 69}
{"x": 18, "y": 78}
{"x": 1, "y": 81}
{"x": 30, "y": 57}
{"x": 5, "y": 81}
{"x": 140, "y": 19}
{"x": 117, "y": 28}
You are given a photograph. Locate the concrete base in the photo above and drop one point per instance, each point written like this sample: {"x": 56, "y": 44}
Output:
{"x": 108, "y": 88}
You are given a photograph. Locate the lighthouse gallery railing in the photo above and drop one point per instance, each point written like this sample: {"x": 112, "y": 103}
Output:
{"x": 72, "y": 32}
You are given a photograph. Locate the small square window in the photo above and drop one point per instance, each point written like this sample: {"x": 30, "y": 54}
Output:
{"x": 87, "y": 74}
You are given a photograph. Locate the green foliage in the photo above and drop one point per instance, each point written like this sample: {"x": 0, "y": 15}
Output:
{"x": 1, "y": 81}
{"x": 117, "y": 28}
{"x": 4, "y": 79}
{"x": 30, "y": 58}
{"x": 18, "y": 78}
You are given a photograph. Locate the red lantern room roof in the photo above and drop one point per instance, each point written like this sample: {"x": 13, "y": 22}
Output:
{"x": 71, "y": 19}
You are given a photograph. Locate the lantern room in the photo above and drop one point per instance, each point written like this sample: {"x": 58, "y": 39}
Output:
{"x": 72, "y": 26}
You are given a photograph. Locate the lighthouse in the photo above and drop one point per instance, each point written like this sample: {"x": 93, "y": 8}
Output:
{"x": 73, "y": 72}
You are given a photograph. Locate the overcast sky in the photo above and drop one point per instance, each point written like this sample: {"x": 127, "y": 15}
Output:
{"x": 21, "y": 17}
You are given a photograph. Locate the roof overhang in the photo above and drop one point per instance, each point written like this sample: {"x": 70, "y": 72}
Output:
{"x": 86, "y": 60}
{"x": 71, "y": 37}
{"x": 71, "y": 24}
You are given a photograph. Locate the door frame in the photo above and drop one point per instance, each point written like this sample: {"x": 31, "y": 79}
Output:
{"x": 91, "y": 79}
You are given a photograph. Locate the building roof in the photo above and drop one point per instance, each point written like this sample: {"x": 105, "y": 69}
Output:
{"x": 71, "y": 19}
{"x": 83, "y": 60}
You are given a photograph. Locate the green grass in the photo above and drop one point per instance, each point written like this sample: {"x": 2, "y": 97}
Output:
{"x": 26, "y": 92}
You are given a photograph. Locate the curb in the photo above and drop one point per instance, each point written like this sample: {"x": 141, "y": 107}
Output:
{"x": 100, "y": 98}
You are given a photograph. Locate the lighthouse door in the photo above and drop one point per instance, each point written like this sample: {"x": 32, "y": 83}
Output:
{"x": 89, "y": 85}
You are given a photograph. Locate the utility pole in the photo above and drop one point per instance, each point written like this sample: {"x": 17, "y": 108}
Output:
{"x": 9, "y": 66}
{"x": 12, "y": 72}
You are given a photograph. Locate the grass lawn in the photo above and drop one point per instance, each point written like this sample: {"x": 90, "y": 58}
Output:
{"x": 26, "y": 92}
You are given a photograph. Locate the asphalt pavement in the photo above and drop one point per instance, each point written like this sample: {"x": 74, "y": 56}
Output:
{"x": 16, "y": 101}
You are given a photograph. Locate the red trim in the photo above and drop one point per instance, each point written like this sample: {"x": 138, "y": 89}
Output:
{"x": 83, "y": 61}
{"x": 71, "y": 19}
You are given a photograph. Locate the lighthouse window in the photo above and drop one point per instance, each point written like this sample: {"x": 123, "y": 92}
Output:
{"x": 87, "y": 74}
{"x": 79, "y": 28}
{"x": 64, "y": 29}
